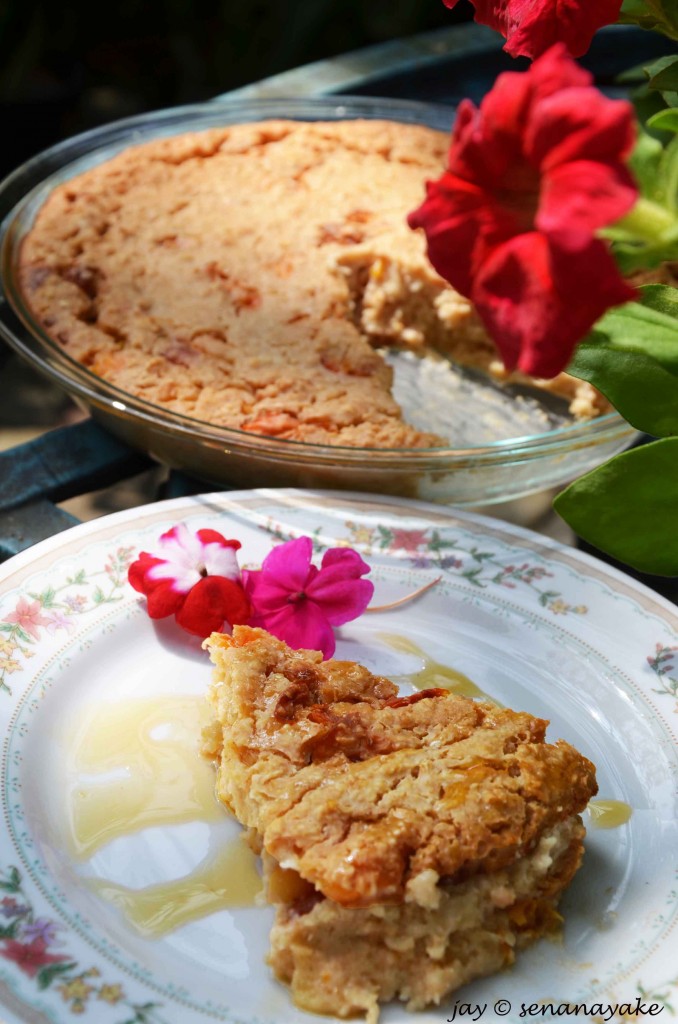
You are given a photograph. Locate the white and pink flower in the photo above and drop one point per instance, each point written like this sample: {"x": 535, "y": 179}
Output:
{"x": 196, "y": 578}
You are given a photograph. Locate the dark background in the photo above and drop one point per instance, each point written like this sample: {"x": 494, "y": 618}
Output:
{"x": 67, "y": 66}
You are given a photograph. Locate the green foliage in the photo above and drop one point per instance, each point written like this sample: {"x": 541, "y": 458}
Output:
{"x": 648, "y": 235}
{"x": 649, "y": 326}
{"x": 639, "y": 388}
{"x": 664, "y": 120}
{"x": 663, "y": 74}
{"x": 47, "y": 974}
{"x": 656, "y": 15}
{"x": 12, "y": 883}
{"x": 627, "y": 507}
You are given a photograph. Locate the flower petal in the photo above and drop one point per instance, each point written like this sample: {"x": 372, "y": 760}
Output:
{"x": 290, "y": 563}
{"x": 265, "y": 594}
{"x": 137, "y": 574}
{"x": 538, "y": 301}
{"x": 180, "y": 560}
{"x": 485, "y": 147}
{"x": 221, "y": 560}
{"x": 214, "y": 537}
{"x": 535, "y": 26}
{"x": 182, "y": 546}
{"x": 303, "y": 626}
{"x": 181, "y": 577}
{"x": 555, "y": 70}
{"x": 338, "y": 589}
{"x": 579, "y": 124}
{"x": 163, "y": 600}
{"x": 579, "y": 197}
{"x": 532, "y": 26}
{"x": 461, "y": 222}
{"x": 219, "y": 554}
{"x": 341, "y": 600}
{"x": 346, "y": 563}
{"x": 211, "y": 603}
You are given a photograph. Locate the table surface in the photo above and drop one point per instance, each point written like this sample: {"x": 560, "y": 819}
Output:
{"x": 441, "y": 66}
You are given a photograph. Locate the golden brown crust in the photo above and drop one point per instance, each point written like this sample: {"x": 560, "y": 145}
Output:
{"x": 242, "y": 275}
{"x": 361, "y": 792}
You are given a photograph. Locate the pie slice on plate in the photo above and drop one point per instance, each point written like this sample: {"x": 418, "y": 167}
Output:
{"x": 409, "y": 844}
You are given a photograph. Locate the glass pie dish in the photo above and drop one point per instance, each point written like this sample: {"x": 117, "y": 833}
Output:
{"x": 527, "y": 442}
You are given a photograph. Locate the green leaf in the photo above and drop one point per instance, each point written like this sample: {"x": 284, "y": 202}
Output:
{"x": 637, "y": 385}
{"x": 49, "y": 972}
{"x": 644, "y": 162}
{"x": 13, "y": 881}
{"x": 632, "y": 357}
{"x": 663, "y": 298}
{"x": 663, "y": 73}
{"x": 627, "y": 507}
{"x": 664, "y": 120}
{"x": 649, "y": 327}
{"x": 667, "y": 176}
{"x": 631, "y": 257}
{"x": 47, "y": 597}
{"x": 8, "y": 931}
{"x": 658, "y": 15}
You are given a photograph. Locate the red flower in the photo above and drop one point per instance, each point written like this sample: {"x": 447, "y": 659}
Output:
{"x": 531, "y": 176}
{"x": 195, "y": 577}
{"x": 532, "y": 26}
{"x": 29, "y": 956}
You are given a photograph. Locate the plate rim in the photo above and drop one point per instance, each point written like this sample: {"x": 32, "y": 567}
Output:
{"x": 567, "y": 554}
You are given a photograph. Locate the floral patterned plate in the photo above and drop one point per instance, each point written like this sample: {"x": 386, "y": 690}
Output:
{"x": 532, "y": 623}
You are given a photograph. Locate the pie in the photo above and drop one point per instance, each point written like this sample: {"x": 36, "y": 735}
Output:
{"x": 409, "y": 844}
{"x": 250, "y": 276}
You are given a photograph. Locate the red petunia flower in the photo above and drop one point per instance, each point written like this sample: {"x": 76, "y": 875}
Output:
{"x": 30, "y": 956}
{"x": 299, "y": 603}
{"x": 194, "y": 577}
{"x": 531, "y": 176}
{"x": 530, "y": 27}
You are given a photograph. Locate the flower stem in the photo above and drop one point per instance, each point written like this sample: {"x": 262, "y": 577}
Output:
{"x": 647, "y": 221}
{"x": 406, "y": 599}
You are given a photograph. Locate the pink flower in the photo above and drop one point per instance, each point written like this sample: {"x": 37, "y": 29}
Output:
{"x": 27, "y": 616}
{"x": 532, "y": 175}
{"x": 531, "y": 27}
{"x": 195, "y": 577}
{"x": 299, "y": 603}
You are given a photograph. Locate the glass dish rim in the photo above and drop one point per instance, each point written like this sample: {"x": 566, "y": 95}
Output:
{"x": 98, "y": 144}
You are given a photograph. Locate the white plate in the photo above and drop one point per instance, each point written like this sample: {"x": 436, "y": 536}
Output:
{"x": 532, "y": 623}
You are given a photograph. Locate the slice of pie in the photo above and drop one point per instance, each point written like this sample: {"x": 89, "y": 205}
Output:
{"x": 409, "y": 844}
